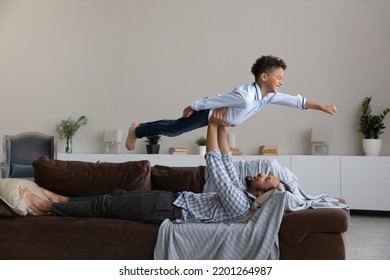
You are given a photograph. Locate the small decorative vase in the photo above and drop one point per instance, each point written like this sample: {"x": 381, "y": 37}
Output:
{"x": 68, "y": 148}
{"x": 202, "y": 150}
{"x": 372, "y": 147}
{"x": 153, "y": 149}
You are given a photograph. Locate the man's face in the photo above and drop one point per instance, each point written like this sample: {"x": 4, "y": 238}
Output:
{"x": 272, "y": 81}
{"x": 262, "y": 182}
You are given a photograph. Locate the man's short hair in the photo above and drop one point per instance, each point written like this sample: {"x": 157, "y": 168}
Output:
{"x": 267, "y": 63}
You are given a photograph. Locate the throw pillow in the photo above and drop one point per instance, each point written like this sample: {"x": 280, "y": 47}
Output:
{"x": 21, "y": 171}
{"x": 9, "y": 193}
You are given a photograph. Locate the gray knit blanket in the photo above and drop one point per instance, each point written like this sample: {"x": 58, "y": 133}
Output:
{"x": 256, "y": 239}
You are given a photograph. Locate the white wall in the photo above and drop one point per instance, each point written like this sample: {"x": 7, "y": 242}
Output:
{"x": 122, "y": 61}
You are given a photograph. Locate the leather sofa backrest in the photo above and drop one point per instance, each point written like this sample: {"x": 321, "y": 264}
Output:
{"x": 77, "y": 178}
{"x": 177, "y": 179}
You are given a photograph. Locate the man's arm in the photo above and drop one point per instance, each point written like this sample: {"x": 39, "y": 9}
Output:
{"x": 218, "y": 117}
{"x": 223, "y": 142}
{"x": 231, "y": 196}
{"x": 212, "y": 136}
{"x": 216, "y": 132}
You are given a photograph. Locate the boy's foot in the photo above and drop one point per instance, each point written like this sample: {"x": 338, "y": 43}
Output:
{"x": 131, "y": 137}
{"x": 38, "y": 205}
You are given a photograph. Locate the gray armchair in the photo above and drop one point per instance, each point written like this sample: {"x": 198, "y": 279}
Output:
{"x": 22, "y": 149}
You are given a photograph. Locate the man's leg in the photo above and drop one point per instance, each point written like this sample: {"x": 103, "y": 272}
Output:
{"x": 149, "y": 207}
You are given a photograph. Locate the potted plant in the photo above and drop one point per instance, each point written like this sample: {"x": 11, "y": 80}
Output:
{"x": 201, "y": 142}
{"x": 153, "y": 147}
{"x": 67, "y": 128}
{"x": 371, "y": 126}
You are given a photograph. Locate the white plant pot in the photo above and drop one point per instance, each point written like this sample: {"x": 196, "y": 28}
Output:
{"x": 202, "y": 150}
{"x": 372, "y": 147}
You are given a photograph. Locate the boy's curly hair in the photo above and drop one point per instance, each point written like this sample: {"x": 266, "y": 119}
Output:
{"x": 267, "y": 63}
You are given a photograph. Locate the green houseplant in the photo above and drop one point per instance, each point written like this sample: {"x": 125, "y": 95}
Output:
{"x": 371, "y": 126}
{"x": 153, "y": 146}
{"x": 67, "y": 128}
{"x": 201, "y": 142}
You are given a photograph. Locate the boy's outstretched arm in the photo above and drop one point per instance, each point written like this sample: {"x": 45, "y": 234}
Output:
{"x": 330, "y": 109}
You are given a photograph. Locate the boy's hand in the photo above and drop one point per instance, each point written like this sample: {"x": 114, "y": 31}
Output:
{"x": 187, "y": 112}
{"x": 330, "y": 109}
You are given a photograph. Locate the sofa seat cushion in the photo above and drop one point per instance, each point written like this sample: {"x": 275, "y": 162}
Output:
{"x": 296, "y": 226}
{"x": 177, "y": 179}
{"x": 49, "y": 237}
{"x": 77, "y": 178}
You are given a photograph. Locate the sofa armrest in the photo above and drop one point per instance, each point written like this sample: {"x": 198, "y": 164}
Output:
{"x": 297, "y": 225}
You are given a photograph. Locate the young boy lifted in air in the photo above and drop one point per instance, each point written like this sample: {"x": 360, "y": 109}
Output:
{"x": 243, "y": 102}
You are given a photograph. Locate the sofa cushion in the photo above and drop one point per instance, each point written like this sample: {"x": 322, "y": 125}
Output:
{"x": 78, "y": 178}
{"x": 177, "y": 179}
{"x": 9, "y": 194}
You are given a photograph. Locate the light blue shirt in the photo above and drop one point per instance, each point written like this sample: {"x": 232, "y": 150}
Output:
{"x": 245, "y": 101}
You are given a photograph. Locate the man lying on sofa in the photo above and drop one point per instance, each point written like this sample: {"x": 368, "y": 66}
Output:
{"x": 227, "y": 204}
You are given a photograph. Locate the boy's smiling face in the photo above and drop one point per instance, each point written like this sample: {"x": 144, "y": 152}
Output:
{"x": 271, "y": 81}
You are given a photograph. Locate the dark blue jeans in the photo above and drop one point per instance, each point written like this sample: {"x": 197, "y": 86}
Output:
{"x": 173, "y": 128}
{"x": 148, "y": 207}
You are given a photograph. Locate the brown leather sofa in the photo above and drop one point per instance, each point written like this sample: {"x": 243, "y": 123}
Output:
{"x": 307, "y": 234}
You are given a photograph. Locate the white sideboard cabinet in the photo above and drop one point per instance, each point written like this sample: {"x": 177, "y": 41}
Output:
{"x": 318, "y": 174}
{"x": 363, "y": 181}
